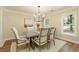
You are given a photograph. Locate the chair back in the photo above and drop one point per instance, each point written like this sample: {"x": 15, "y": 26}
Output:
{"x": 43, "y": 34}
{"x": 43, "y": 31}
{"x": 49, "y": 33}
{"x": 15, "y": 33}
{"x": 52, "y": 31}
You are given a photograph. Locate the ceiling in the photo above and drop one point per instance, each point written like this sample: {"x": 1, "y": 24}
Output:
{"x": 34, "y": 9}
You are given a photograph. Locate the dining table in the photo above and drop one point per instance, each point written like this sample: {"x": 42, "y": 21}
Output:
{"x": 32, "y": 35}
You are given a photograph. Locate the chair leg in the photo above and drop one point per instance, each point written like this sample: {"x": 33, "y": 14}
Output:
{"x": 48, "y": 45}
{"x": 16, "y": 48}
{"x": 33, "y": 45}
{"x": 54, "y": 42}
{"x": 29, "y": 46}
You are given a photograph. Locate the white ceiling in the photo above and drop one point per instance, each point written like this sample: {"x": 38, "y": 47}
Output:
{"x": 34, "y": 9}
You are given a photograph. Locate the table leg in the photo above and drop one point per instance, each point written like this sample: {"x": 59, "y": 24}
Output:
{"x": 31, "y": 43}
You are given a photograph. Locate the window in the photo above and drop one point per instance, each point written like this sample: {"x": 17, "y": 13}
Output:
{"x": 69, "y": 24}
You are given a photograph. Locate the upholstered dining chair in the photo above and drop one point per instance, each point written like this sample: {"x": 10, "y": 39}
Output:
{"x": 20, "y": 39}
{"x": 51, "y": 35}
{"x": 42, "y": 39}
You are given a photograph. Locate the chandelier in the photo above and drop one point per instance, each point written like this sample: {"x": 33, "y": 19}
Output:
{"x": 39, "y": 16}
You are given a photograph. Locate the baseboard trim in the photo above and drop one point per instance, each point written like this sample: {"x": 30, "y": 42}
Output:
{"x": 3, "y": 42}
{"x": 69, "y": 40}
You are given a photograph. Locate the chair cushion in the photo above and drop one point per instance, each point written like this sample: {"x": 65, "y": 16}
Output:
{"x": 23, "y": 38}
{"x": 22, "y": 41}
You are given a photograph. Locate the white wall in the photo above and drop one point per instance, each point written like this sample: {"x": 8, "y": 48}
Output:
{"x": 1, "y": 32}
{"x": 9, "y": 19}
{"x": 12, "y": 18}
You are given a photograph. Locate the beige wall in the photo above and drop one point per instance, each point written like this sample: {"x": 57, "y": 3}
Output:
{"x": 0, "y": 25}
{"x": 2, "y": 40}
{"x": 13, "y": 18}
{"x": 55, "y": 20}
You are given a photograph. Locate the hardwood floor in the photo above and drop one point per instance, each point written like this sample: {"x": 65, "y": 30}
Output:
{"x": 6, "y": 47}
{"x": 69, "y": 47}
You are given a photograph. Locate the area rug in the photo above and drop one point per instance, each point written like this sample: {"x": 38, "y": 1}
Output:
{"x": 58, "y": 45}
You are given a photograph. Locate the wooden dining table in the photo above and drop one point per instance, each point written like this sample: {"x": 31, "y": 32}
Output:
{"x": 32, "y": 35}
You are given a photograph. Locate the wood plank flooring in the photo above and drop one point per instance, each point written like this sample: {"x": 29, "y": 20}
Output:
{"x": 69, "y": 47}
{"x": 6, "y": 47}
